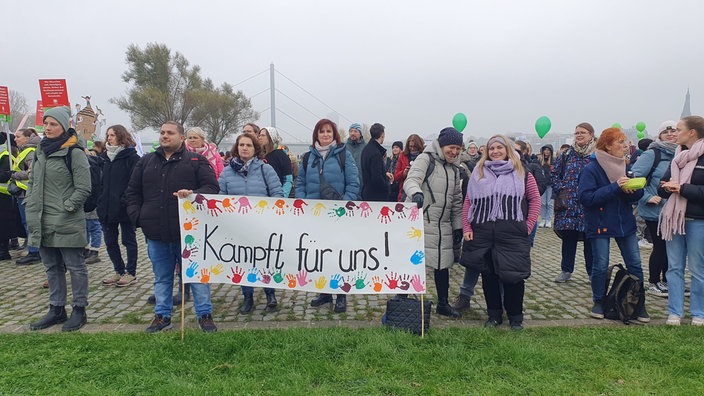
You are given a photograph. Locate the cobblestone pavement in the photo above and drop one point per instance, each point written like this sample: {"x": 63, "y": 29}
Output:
{"x": 22, "y": 299}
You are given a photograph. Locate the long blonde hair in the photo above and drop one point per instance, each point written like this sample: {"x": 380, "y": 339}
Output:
{"x": 512, "y": 156}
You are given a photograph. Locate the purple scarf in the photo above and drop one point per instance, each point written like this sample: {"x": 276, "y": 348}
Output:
{"x": 496, "y": 196}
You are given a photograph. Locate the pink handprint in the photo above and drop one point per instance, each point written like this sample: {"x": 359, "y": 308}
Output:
{"x": 298, "y": 207}
{"x": 237, "y": 274}
{"x": 302, "y": 275}
{"x": 404, "y": 282}
{"x": 414, "y": 213}
{"x": 385, "y": 214}
{"x": 401, "y": 210}
{"x": 291, "y": 281}
{"x": 204, "y": 275}
{"x": 392, "y": 281}
{"x": 351, "y": 206}
{"x": 346, "y": 287}
{"x": 213, "y": 208}
{"x": 187, "y": 252}
{"x": 417, "y": 284}
{"x": 377, "y": 283}
{"x": 245, "y": 206}
{"x": 200, "y": 201}
{"x": 228, "y": 205}
{"x": 366, "y": 209}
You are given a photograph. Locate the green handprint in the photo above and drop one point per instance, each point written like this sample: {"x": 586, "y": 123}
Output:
{"x": 359, "y": 283}
{"x": 278, "y": 277}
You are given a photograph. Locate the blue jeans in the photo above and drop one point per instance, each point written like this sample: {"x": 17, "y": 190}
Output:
{"x": 682, "y": 249}
{"x": 469, "y": 282}
{"x": 23, "y": 217}
{"x": 546, "y": 205}
{"x": 164, "y": 257}
{"x": 95, "y": 233}
{"x": 628, "y": 245}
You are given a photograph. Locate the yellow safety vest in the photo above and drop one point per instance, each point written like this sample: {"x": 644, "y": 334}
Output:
{"x": 16, "y": 166}
{"x": 3, "y": 186}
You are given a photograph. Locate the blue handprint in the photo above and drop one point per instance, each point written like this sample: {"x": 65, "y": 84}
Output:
{"x": 252, "y": 276}
{"x": 335, "y": 281}
{"x": 191, "y": 271}
{"x": 417, "y": 257}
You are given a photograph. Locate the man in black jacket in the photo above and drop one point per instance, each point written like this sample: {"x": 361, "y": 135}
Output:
{"x": 375, "y": 179}
{"x": 157, "y": 180}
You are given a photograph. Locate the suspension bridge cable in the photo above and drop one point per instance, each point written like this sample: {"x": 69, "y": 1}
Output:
{"x": 290, "y": 134}
{"x": 259, "y": 93}
{"x": 304, "y": 108}
{"x": 315, "y": 97}
{"x": 249, "y": 78}
{"x": 291, "y": 117}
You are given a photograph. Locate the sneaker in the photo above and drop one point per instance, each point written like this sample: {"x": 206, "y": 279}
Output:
{"x": 597, "y": 311}
{"x": 656, "y": 290}
{"x": 206, "y": 324}
{"x": 643, "y": 316}
{"x": 92, "y": 257}
{"x": 697, "y": 321}
{"x": 563, "y": 277}
{"x": 126, "y": 280}
{"x": 516, "y": 326}
{"x": 662, "y": 286}
{"x": 461, "y": 302}
{"x": 159, "y": 323}
{"x": 644, "y": 244}
{"x": 112, "y": 279}
{"x": 673, "y": 320}
{"x": 492, "y": 323}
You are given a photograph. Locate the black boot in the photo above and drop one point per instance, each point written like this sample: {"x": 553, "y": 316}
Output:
{"x": 445, "y": 309}
{"x": 4, "y": 250}
{"x": 77, "y": 320}
{"x": 516, "y": 322}
{"x": 247, "y": 305}
{"x": 271, "y": 302}
{"x": 340, "y": 304}
{"x": 320, "y": 300}
{"x": 56, "y": 315}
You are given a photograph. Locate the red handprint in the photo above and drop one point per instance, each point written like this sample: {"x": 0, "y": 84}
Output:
{"x": 187, "y": 252}
{"x": 245, "y": 206}
{"x": 392, "y": 281}
{"x": 200, "y": 201}
{"x": 298, "y": 207}
{"x": 385, "y": 214}
{"x": 351, "y": 206}
{"x": 237, "y": 274}
{"x": 414, "y": 213}
{"x": 417, "y": 284}
{"x": 291, "y": 281}
{"x": 404, "y": 282}
{"x": 366, "y": 209}
{"x": 228, "y": 205}
{"x": 213, "y": 208}
{"x": 400, "y": 210}
{"x": 302, "y": 275}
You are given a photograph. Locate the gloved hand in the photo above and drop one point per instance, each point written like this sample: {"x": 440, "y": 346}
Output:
{"x": 418, "y": 199}
{"x": 457, "y": 236}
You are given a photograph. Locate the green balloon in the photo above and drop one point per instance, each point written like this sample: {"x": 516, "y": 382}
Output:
{"x": 640, "y": 126}
{"x": 640, "y": 135}
{"x": 90, "y": 145}
{"x": 459, "y": 121}
{"x": 616, "y": 125}
{"x": 155, "y": 144}
{"x": 542, "y": 126}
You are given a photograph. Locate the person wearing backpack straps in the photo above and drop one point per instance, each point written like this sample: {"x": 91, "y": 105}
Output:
{"x": 323, "y": 163}
{"x": 608, "y": 213}
{"x": 652, "y": 164}
{"x": 27, "y": 140}
{"x": 247, "y": 174}
{"x": 682, "y": 221}
{"x": 56, "y": 220}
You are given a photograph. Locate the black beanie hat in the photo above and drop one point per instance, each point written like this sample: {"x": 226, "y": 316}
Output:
{"x": 450, "y": 136}
{"x": 398, "y": 144}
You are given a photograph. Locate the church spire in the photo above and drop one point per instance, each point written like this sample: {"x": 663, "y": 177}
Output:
{"x": 685, "y": 109}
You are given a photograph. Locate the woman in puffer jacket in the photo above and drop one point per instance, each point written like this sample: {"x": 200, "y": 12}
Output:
{"x": 248, "y": 175}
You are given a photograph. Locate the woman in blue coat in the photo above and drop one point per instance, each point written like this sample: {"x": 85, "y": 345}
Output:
{"x": 329, "y": 156}
{"x": 608, "y": 213}
{"x": 248, "y": 175}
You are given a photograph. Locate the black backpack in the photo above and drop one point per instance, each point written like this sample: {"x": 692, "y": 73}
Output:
{"x": 96, "y": 179}
{"x": 541, "y": 179}
{"x": 657, "y": 157}
{"x": 626, "y": 297}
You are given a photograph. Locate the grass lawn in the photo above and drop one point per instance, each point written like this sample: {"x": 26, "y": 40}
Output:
{"x": 336, "y": 361}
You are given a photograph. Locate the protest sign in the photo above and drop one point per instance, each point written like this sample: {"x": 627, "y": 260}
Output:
{"x": 303, "y": 244}
{"x": 4, "y": 104}
{"x": 39, "y": 117}
{"x": 54, "y": 93}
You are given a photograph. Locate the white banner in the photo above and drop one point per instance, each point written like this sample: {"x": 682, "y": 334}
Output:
{"x": 303, "y": 244}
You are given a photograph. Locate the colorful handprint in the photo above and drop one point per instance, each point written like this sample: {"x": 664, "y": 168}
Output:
{"x": 298, "y": 207}
{"x": 189, "y": 240}
{"x": 252, "y": 275}
{"x": 260, "y": 207}
{"x": 415, "y": 212}
{"x": 278, "y": 277}
{"x": 385, "y": 214}
{"x": 417, "y": 284}
{"x": 291, "y": 280}
{"x": 302, "y": 278}
{"x": 191, "y": 270}
{"x": 237, "y": 274}
{"x": 200, "y": 201}
{"x": 245, "y": 206}
{"x": 204, "y": 275}
{"x": 187, "y": 252}
{"x": 217, "y": 269}
{"x": 351, "y": 206}
{"x": 318, "y": 208}
{"x": 188, "y": 207}
{"x": 377, "y": 283}
{"x": 366, "y": 209}
{"x": 400, "y": 209}
{"x": 359, "y": 282}
{"x": 213, "y": 207}
{"x": 392, "y": 280}
{"x": 190, "y": 224}
{"x": 279, "y": 207}
{"x": 335, "y": 281}
{"x": 320, "y": 283}
{"x": 346, "y": 286}
{"x": 417, "y": 257}
{"x": 228, "y": 205}
{"x": 404, "y": 282}
{"x": 337, "y": 212}
{"x": 266, "y": 277}
{"x": 414, "y": 233}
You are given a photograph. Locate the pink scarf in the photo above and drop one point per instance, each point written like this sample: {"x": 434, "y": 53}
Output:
{"x": 681, "y": 167}
{"x": 210, "y": 152}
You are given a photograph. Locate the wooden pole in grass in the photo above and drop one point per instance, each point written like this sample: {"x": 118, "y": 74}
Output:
{"x": 422, "y": 317}
{"x": 183, "y": 310}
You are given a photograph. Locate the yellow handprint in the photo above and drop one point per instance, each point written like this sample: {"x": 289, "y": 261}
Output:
{"x": 217, "y": 270}
{"x": 414, "y": 233}
{"x": 320, "y": 283}
{"x": 260, "y": 207}
{"x": 318, "y": 208}
{"x": 188, "y": 207}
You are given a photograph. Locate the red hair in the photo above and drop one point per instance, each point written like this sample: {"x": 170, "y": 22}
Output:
{"x": 608, "y": 137}
{"x": 335, "y": 132}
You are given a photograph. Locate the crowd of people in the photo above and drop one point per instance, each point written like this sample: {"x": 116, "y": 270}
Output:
{"x": 481, "y": 207}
